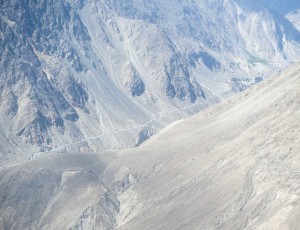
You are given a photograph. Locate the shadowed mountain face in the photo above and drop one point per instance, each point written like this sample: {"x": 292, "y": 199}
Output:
{"x": 232, "y": 166}
{"x": 94, "y": 75}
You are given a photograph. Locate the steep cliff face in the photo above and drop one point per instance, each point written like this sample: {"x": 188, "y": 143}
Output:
{"x": 93, "y": 74}
{"x": 38, "y": 97}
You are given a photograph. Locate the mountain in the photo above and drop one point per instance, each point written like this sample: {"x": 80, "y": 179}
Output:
{"x": 289, "y": 9}
{"x": 93, "y": 75}
{"x": 232, "y": 166}
{"x": 282, "y": 7}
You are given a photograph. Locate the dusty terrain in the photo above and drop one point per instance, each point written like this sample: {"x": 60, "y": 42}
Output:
{"x": 232, "y": 166}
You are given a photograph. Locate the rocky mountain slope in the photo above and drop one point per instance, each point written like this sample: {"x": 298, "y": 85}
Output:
{"x": 95, "y": 75}
{"x": 232, "y": 166}
{"x": 289, "y": 9}
{"x": 282, "y": 7}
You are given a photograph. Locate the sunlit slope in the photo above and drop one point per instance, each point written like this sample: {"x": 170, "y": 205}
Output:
{"x": 234, "y": 166}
